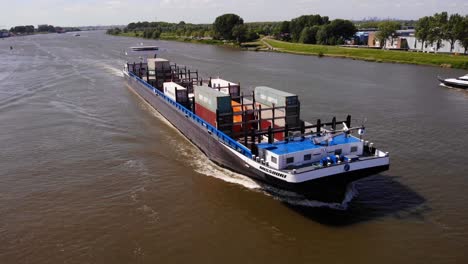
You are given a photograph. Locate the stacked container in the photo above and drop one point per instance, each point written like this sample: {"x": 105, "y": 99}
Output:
{"x": 177, "y": 93}
{"x": 159, "y": 71}
{"x": 214, "y": 107}
{"x": 242, "y": 123}
{"x": 268, "y": 97}
{"x": 226, "y": 87}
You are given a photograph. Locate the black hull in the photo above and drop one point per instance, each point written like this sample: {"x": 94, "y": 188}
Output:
{"x": 327, "y": 189}
{"x": 453, "y": 85}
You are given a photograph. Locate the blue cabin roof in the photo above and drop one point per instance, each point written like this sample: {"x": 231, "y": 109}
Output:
{"x": 283, "y": 147}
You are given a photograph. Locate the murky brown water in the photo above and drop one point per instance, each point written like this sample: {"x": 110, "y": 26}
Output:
{"x": 90, "y": 174}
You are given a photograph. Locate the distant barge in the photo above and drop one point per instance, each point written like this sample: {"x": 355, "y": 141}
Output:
{"x": 260, "y": 135}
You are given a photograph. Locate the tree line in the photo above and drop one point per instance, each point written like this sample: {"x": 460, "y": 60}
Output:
{"x": 308, "y": 29}
{"x": 30, "y": 29}
{"x": 316, "y": 29}
{"x": 155, "y": 29}
{"x": 231, "y": 27}
{"x": 226, "y": 27}
{"x": 429, "y": 30}
{"x": 432, "y": 30}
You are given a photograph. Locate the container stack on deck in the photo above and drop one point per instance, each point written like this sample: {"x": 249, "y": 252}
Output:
{"x": 226, "y": 87}
{"x": 288, "y": 113}
{"x": 159, "y": 72}
{"x": 242, "y": 114}
{"x": 220, "y": 103}
{"x": 177, "y": 93}
{"x": 214, "y": 107}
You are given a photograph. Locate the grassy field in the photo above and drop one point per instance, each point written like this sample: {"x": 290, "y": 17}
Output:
{"x": 443, "y": 60}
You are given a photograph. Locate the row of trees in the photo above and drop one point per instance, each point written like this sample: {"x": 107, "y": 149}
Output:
{"x": 29, "y": 29}
{"x": 315, "y": 29}
{"x": 180, "y": 29}
{"x": 434, "y": 29}
{"x": 229, "y": 27}
{"x": 310, "y": 29}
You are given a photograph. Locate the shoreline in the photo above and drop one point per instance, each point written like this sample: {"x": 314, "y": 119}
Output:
{"x": 369, "y": 55}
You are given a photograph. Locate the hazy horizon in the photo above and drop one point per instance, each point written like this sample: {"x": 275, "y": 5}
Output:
{"x": 121, "y": 12}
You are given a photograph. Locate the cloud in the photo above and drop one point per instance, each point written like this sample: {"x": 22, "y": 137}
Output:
{"x": 114, "y": 4}
{"x": 188, "y": 3}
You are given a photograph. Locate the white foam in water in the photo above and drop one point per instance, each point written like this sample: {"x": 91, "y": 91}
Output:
{"x": 205, "y": 166}
{"x": 112, "y": 70}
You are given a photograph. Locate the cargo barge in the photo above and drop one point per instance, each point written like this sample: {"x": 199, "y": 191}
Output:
{"x": 259, "y": 135}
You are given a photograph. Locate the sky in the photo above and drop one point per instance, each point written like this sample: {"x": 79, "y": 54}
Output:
{"x": 122, "y": 12}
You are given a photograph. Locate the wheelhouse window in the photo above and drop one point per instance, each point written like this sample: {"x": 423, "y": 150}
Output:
{"x": 274, "y": 159}
{"x": 290, "y": 160}
{"x": 353, "y": 148}
{"x": 307, "y": 157}
{"x": 337, "y": 151}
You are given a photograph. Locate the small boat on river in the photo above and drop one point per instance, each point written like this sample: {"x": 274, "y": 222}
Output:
{"x": 460, "y": 82}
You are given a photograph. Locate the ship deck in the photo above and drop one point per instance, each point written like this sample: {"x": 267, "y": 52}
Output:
{"x": 283, "y": 147}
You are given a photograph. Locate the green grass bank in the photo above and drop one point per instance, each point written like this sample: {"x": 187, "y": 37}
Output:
{"x": 378, "y": 55}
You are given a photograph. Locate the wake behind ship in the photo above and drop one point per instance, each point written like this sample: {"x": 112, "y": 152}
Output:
{"x": 260, "y": 135}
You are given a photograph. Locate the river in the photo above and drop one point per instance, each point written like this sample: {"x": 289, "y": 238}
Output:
{"x": 90, "y": 174}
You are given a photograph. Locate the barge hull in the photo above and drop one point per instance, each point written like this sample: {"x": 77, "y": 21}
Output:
{"x": 326, "y": 189}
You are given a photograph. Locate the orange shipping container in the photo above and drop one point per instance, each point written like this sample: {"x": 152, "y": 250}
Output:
{"x": 236, "y": 107}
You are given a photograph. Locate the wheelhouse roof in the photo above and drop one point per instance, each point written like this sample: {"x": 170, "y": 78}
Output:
{"x": 283, "y": 147}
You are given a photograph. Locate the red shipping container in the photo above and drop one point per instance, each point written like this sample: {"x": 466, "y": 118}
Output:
{"x": 237, "y": 128}
{"x": 265, "y": 124}
{"x": 205, "y": 114}
{"x": 250, "y": 117}
{"x": 279, "y": 135}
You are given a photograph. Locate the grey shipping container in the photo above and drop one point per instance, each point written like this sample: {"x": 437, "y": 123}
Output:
{"x": 158, "y": 64}
{"x": 269, "y": 96}
{"x": 212, "y": 100}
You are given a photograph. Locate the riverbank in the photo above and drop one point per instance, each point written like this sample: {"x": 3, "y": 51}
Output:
{"x": 173, "y": 37}
{"x": 377, "y": 55}
{"x": 258, "y": 45}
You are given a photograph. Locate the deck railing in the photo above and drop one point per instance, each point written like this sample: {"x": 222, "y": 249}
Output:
{"x": 189, "y": 114}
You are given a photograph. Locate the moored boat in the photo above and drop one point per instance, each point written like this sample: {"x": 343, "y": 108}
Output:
{"x": 460, "y": 82}
{"x": 260, "y": 135}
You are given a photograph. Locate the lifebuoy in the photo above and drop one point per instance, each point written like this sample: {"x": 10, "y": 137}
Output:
{"x": 346, "y": 167}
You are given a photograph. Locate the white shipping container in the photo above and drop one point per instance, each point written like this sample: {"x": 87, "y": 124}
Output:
{"x": 223, "y": 86}
{"x": 170, "y": 90}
